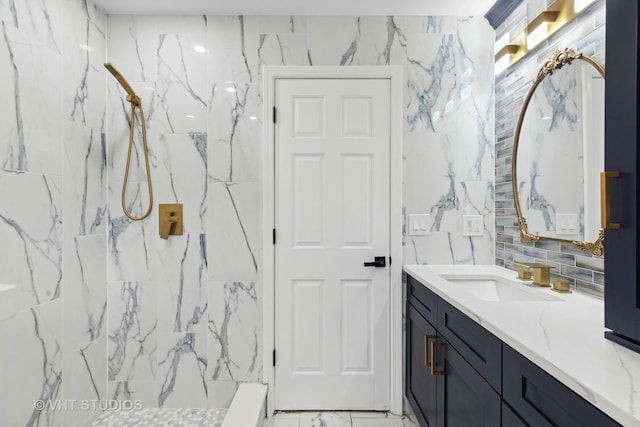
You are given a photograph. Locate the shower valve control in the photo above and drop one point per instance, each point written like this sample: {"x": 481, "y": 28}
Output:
{"x": 170, "y": 220}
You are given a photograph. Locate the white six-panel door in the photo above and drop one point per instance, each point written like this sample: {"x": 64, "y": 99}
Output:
{"x": 332, "y": 184}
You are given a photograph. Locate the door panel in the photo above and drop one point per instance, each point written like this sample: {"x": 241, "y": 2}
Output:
{"x": 332, "y": 208}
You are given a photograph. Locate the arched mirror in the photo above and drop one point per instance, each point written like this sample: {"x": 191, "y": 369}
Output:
{"x": 558, "y": 153}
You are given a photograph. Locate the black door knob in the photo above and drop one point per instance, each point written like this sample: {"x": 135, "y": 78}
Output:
{"x": 379, "y": 261}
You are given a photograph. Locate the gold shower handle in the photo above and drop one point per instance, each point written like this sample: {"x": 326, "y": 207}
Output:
{"x": 167, "y": 225}
{"x": 605, "y": 202}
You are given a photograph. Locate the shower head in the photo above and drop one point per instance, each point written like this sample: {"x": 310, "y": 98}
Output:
{"x": 125, "y": 84}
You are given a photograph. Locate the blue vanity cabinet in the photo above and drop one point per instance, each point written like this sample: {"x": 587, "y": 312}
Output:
{"x": 541, "y": 400}
{"x": 622, "y": 262}
{"x": 480, "y": 380}
{"x": 420, "y": 385}
{"x": 464, "y": 398}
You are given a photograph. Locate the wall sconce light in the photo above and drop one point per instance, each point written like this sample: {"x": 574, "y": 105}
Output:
{"x": 580, "y": 5}
{"x": 538, "y": 29}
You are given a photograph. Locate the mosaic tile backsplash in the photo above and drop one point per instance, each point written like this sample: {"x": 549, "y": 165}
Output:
{"x": 586, "y": 34}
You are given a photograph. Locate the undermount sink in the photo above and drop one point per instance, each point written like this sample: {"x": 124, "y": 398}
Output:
{"x": 8, "y": 300}
{"x": 496, "y": 288}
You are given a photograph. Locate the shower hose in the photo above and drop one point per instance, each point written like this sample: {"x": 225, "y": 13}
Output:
{"x": 135, "y": 102}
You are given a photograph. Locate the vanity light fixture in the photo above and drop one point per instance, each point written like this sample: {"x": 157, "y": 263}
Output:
{"x": 199, "y": 49}
{"x": 580, "y": 5}
{"x": 556, "y": 16}
{"x": 504, "y": 57}
{"x": 538, "y": 29}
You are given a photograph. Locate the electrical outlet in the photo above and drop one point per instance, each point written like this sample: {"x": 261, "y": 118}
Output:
{"x": 419, "y": 224}
{"x": 472, "y": 225}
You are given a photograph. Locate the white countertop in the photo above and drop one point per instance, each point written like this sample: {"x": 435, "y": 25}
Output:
{"x": 565, "y": 338}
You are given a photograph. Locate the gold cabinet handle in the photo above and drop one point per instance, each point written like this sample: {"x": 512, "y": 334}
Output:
{"x": 605, "y": 207}
{"x": 426, "y": 349}
{"x": 434, "y": 346}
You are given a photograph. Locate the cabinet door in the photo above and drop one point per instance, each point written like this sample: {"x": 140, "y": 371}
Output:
{"x": 541, "y": 400}
{"x": 420, "y": 384}
{"x": 465, "y": 399}
{"x": 622, "y": 290}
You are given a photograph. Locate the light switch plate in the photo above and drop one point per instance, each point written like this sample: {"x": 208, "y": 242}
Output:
{"x": 566, "y": 223}
{"x": 472, "y": 225}
{"x": 419, "y": 224}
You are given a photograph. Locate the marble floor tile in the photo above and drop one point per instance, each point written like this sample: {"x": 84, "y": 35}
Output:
{"x": 325, "y": 419}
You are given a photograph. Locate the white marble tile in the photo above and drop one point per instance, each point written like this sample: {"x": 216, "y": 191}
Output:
{"x": 41, "y": 21}
{"x": 430, "y": 24}
{"x": 382, "y": 422}
{"x": 85, "y": 181}
{"x": 85, "y": 379}
{"x": 430, "y": 179}
{"x": 33, "y": 365}
{"x": 84, "y": 54}
{"x": 475, "y": 99}
{"x": 283, "y": 49}
{"x": 180, "y": 272}
{"x": 221, "y": 393}
{"x": 333, "y": 40}
{"x": 181, "y": 85}
{"x": 431, "y": 79}
{"x": 381, "y": 41}
{"x": 142, "y": 391}
{"x": 282, "y": 24}
{"x": 132, "y": 46}
{"x": 283, "y": 420}
{"x": 181, "y": 176}
{"x": 235, "y": 125}
{"x": 325, "y": 419}
{"x": 31, "y": 235}
{"x": 182, "y": 366}
{"x": 85, "y": 291}
{"x": 32, "y": 131}
{"x": 234, "y": 333}
{"x": 231, "y": 231}
{"x": 232, "y": 45}
{"x": 132, "y": 346}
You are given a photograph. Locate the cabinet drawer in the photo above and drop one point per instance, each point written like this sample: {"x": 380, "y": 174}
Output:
{"x": 478, "y": 346}
{"x": 424, "y": 300}
{"x": 510, "y": 418}
{"x": 543, "y": 401}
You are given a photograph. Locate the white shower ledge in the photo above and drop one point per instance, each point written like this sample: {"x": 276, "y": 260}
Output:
{"x": 8, "y": 301}
{"x": 563, "y": 337}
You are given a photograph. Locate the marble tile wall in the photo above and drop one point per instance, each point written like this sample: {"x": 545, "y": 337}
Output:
{"x": 184, "y": 314}
{"x": 53, "y": 210}
{"x": 585, "y": 34}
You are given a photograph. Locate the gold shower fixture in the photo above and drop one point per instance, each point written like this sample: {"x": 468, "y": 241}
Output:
{"x": 135, "y": 103}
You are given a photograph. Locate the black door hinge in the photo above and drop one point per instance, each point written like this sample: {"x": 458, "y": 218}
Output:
{"x": 274, "y": 357}
{"x": 274, "y": 114}
{"x": 390, "y": 262}
{"x": 274, "y": 236}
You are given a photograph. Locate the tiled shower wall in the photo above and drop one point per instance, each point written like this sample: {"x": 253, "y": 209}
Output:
{"x": 586, "y": 34}
{"x": 184, "y": 321}
{"x": 52, "y": 173}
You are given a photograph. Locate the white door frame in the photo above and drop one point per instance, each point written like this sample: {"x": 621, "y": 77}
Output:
{"x": 266, "y": 153}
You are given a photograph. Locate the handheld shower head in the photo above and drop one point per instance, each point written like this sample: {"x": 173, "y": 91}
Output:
{"x": 125, "y": 84}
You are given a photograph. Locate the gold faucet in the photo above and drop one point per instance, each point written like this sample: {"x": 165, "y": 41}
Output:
{"x": 170, "y": 220}
{"x": 541, "y": 272}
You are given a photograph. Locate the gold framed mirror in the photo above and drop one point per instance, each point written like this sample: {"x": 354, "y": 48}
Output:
{"x": 558, "y": 152}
